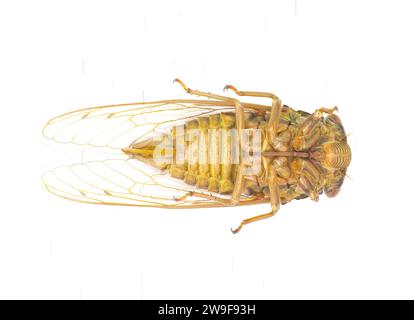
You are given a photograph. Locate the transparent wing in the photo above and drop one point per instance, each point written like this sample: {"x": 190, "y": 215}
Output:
{"x": 114, "y": 178}
{"x": 123, "y": 182}
{"x": 117, "y": 126}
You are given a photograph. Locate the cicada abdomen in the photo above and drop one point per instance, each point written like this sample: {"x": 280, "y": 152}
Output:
{"x": 203, "y": 153}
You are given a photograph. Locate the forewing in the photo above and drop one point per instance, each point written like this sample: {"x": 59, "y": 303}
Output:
{"x": 117, "y": 126}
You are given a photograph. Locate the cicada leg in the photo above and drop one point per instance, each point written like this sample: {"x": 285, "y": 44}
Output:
{"x": 274, "y": 111}
{"x": 274, "y": 202}
{"x": 238, "y": 183}
{"x": 328, "y": 110}
{"x": 204, "y": 196}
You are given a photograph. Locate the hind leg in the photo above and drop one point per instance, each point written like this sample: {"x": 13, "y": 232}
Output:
{"x": 275, "y": 110}
{"x": 274, "y": 202}
{"x": 239, "y": 111}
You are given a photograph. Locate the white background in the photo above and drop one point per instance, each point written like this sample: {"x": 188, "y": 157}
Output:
{"x": 62, "y": 55}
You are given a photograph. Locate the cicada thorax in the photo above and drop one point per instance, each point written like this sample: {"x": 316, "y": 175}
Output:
{"x": 325, "y": 154}
{"x": 298, "y": 177}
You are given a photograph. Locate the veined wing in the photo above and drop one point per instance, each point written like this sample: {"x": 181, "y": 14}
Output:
{"x": 123, "y": 182}
{"x": 117, "y": 126}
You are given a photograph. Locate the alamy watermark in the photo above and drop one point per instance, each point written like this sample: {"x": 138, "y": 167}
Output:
{"x": 211, "y": 147}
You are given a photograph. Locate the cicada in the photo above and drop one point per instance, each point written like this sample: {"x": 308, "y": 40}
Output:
{"x": 216, "y": 151}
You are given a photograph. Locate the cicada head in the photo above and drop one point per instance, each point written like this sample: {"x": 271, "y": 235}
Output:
{"x": 334, "y": 155}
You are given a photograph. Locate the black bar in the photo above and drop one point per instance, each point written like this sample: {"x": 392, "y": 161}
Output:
{"x": 205, "y": 309}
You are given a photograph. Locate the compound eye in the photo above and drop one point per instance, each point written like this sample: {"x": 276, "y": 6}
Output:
{"x": 332, "y": 188}
{"x": 335, "y": 124}
{"x": 332, "y": 191}
{"x": 333, "y": 119}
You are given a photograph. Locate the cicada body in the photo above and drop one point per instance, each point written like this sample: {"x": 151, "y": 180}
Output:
{"x": 201, "y": 153}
